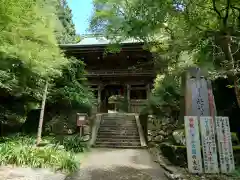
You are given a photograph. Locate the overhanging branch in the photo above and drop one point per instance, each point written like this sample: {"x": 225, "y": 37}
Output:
{"x": 215, "y": 9}
{"x": 225, "y": 19}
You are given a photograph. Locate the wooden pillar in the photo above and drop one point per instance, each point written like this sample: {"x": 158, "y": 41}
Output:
{"x": 99, "y": 97}
{"x": 128, "y": 97}
{"x": 148, "y": 90}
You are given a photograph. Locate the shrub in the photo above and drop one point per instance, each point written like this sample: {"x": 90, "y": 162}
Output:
{"x": 178, "y": 154}
{"x": 21, "y": 151}
{"x": 74, "y": 144}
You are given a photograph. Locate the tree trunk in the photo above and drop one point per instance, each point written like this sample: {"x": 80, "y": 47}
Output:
{"x": 233, "y": 75}
{"x": 39, "y": 134}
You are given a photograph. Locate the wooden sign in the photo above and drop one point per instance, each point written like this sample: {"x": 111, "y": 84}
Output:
{"x": 200, "y": 105}
{"x": 210, "y": 160}
{"x": 81, "y": 120}
{"x": 193, "y": 144}
{"x": 195, "y": 92}
{"x": 224, "y": 140}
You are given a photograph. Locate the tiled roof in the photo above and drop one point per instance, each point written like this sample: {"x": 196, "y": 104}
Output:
{"x": 88, "y": 41}
{"x": 102, "y": 40}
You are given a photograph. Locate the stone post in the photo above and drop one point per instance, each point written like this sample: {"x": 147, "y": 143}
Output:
{"x": 128, "y": 97}
{"x": 99, "y": 97}
{"x": 148, "y": 90}
{"x": 195, "y": 95}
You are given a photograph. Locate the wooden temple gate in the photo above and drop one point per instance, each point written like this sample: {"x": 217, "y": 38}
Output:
{"x": 129, "y": 73}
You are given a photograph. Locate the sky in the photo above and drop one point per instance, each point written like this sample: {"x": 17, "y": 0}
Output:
{"x": 81, "y": 11}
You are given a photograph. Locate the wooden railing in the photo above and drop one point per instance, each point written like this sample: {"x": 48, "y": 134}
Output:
{"x": 120, "y": 73}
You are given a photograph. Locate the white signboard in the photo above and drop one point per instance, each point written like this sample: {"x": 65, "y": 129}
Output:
{"x": 209, "y": 144}
{"x": 225, "y": 150}
{"x": 81, "y": 118}
{"x": 193, "y": 144}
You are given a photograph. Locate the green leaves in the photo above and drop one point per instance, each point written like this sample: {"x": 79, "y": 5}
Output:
{"x": 70, "y": 90}
{"x": 65, "y": 31}
{"x": 28, "y": 35}
{"x": 20, "y": 151}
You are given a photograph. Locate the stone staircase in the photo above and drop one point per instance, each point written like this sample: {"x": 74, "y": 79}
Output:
{"x": 118, "y": 131}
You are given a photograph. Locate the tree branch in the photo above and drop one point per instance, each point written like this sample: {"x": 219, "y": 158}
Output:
{"x": 238, "y": 9}
{"x": 215, "y": 9}
{"x": 225, "y": 19}
{"x": 187, "y": 15}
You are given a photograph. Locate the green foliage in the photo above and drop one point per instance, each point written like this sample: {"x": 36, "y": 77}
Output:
{"x": 21, "y": 151}
{"x": 28, "y": 42}
{"x": 70, "y": 91}
{"x": 29, "y": 53}
{"x": 120, "y": 102}
{"x": 165, "y": 97}
{"x": 30, "y": 31}
{"x": 66, "y": 32}
{"x": 180, "y": 33}
{"x": 74, "y": 144}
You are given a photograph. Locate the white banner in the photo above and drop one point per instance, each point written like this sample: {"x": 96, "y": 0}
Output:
{"x": 193, "y": 144}
{"x": 225, "y": 150}
{"x": 209, "y": 144}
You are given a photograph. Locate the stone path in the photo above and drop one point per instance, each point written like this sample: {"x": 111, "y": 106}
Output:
{"x": 18, "y": 173}
{"x": 119, "y": 164}
{"x": 100, "y": 164}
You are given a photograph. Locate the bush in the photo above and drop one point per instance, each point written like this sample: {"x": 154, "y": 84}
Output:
{"x": 21, "y": 151}
{"x": 74, "y": 144}
{"x": 177, "y": 155}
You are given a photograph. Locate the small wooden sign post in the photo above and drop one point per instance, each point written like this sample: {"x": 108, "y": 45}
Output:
{"x": 81, "y": 122}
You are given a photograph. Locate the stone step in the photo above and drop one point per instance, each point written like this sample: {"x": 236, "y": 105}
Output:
{"x": 107, "y": 144}
{"x": 110, "y": 134}
{"x": 118, "y": 147}
{"x": 119, "y": 136}
{"x": 113, "y": 118}
{"x": 118, "y": 127}
{"x": 112, "y": 125}
{"x": 117, "y": 122}
{"x": 112, "y": 139}
{"x": 117, "y": 119}
{"x": 132, "y": 138}
{"x": 118, "y": 130}
{"x": 122, "y": 130}
{"x": 125, "y": 120}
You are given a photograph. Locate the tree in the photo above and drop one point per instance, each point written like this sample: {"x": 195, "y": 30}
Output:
{"x": 70, "y": 91}
{"x": 207, "y": 31}
{"x": 66, "y": 32}
{"x": 39, "y": 134}
{"x": 29, "y": 53}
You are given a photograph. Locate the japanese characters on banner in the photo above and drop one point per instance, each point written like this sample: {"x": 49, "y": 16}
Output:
{"x": 224, "y": 144}
{"x": 200, "y": 105}
{"x": 209, "y": 148}
{"x": 193, "y": 144}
